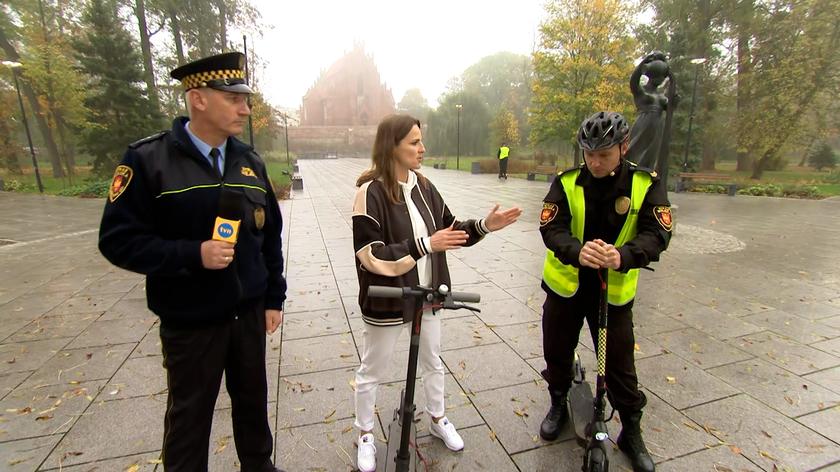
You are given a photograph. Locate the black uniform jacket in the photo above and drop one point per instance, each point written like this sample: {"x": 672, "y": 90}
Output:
{"x": 603, "y": 220}
{"x": 387, "y": 251}
{"x": 168, "y": 207}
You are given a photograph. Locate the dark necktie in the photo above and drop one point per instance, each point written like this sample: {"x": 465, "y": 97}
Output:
{"x": 217, "y": 161}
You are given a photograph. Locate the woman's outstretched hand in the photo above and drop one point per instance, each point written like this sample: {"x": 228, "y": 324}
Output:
{"x": 448, "y": 238}
{"x": 497, "y": 220}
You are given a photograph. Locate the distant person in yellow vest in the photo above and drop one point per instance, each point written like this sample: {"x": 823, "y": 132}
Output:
{"x": 607, "y": 213}
{"x": 504, "y": 152}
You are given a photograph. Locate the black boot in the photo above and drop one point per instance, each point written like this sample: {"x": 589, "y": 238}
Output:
{"x": 631, "y": 443}
{"x": 556, "y": 416}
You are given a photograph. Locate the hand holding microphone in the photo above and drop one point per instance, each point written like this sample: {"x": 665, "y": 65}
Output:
{"x": 217, "y": 253}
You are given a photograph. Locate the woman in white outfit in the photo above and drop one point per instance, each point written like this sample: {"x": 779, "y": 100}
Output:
{"x": 401, "y": 231}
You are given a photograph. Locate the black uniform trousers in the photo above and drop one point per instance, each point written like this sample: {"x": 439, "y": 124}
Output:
{"x": 194, "y": 359}
{"x": 561, "y": 323}
{"x": 503, "y": 163}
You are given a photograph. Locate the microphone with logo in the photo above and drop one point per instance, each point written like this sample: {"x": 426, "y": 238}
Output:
{"x": 226, "y": 227}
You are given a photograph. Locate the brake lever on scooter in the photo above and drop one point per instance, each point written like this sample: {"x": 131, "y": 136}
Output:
{"x": 458, "y": 306}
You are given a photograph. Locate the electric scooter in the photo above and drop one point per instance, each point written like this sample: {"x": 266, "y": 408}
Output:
{"x": 397, "y": 456}
{"x": 588, "y": 412}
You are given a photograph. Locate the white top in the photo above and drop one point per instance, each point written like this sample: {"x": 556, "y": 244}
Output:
{"x": 418, "y": 226}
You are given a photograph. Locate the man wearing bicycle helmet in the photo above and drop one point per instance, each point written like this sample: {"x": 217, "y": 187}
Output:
{"x": 607, "y": 213}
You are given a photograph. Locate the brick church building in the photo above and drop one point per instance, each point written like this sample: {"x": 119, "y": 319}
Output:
{"x": 349, "y": 93}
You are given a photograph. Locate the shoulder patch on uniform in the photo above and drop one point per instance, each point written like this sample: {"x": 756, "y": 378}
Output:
{"x": 636, "y": 168}
{"x": 247, "y": 172}
{"x": 122, "y": 177}
{"x": 549, "y": 211}
{"x": 663, "y": 216}
{"x": 148, "y": 139}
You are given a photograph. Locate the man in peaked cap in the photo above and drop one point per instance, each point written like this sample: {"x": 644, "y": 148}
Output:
{"x": 215, "y": 297}
{"x": 223, "y": 72}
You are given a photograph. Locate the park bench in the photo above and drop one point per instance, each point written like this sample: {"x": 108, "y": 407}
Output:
{"x": 296, "y": 179}
{"x": 548, "y": 171}
{"x": 686, "y": 179}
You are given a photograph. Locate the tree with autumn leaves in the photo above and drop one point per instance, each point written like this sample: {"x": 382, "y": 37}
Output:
{"x": 91, "y": 90}
{"x": 582, "y": 65}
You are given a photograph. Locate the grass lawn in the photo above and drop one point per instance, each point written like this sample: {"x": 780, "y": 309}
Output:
{"x": 54, "y": 186}
{"x": 276, "y": 165}
{"x": 464, "y": 162}
{"x": 792, "y": 176}
{"x": 276, "y": 174}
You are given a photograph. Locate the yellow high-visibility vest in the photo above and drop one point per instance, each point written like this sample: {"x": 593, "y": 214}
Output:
{"x": 504, "y": 152}
{"x": 563, "y": 279}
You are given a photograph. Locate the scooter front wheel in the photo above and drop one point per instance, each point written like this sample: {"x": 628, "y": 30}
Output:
{"x": 596, "y": 461}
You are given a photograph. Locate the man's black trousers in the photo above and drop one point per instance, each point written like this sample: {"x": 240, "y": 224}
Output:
{"x": 195, "y": 359}
{"x": 561, "y": 324}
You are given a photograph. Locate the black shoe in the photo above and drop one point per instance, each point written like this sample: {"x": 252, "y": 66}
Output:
{"x": 556, "y": 417}
{"x": 631, "y": 443}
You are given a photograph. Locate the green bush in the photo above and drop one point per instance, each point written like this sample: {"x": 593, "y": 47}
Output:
{"x": 89, "y": 189}
{"x": 788, "y": 191}
{"x": 823, "y": 157}
{"x": 711, "y": 188}
{"x": 762, "y": 190}
{"x": 832, "y": 177}
{"x": 14, "y": 185}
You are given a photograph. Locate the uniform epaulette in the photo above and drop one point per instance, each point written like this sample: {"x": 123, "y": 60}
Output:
{"x": 571, "y": 169}
{"x": 148, "y": 139}
{"x": 635, "y": 168}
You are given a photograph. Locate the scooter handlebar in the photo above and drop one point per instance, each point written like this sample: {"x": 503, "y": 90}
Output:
{"x": 380, "y": 291}
{"x": 466, "y": 297}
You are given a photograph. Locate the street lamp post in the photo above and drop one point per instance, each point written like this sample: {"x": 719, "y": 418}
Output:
{"x": 15, "y": 66}
{"x": 286, "y": 129}
{"x": 458, "y": 155}
{"x": 697, "y": 62}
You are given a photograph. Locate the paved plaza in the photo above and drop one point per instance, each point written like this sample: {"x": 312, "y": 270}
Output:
{"x": 738, "y": 339}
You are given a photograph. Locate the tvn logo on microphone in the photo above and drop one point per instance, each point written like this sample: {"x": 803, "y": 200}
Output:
{"x": 225, "y": 230}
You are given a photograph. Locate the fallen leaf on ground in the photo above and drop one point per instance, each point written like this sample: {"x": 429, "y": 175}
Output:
{"x": 221, "y": 444}
{"x": 767, "y": 455}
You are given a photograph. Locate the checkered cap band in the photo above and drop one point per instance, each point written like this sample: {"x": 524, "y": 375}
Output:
{"x": 196, "y": 80}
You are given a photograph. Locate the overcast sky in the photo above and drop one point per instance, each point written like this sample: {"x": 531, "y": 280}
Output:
{"x": 414, "y": 44}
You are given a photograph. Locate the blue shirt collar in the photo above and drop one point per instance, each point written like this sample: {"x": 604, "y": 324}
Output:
{"x": 203, "y": 147}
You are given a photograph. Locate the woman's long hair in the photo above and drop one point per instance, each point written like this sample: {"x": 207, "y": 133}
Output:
{"x": 392, "y": 129}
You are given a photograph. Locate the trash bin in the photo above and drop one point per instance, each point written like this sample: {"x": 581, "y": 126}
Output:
{"x": 297, "y": 182}
{"x": 476, "y": 167}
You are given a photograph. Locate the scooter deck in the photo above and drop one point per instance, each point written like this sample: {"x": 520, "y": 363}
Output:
{"x": 581, "y": 409}
{"x": 386, "y": 456}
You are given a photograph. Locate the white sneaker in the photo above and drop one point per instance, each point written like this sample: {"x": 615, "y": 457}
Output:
{"x": 445, "y": 430}
{"x": 366, "y": 457}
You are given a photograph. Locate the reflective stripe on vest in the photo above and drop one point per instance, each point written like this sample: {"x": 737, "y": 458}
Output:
{"x": 504, "y": 152}
{"x": 563, "y": 279}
